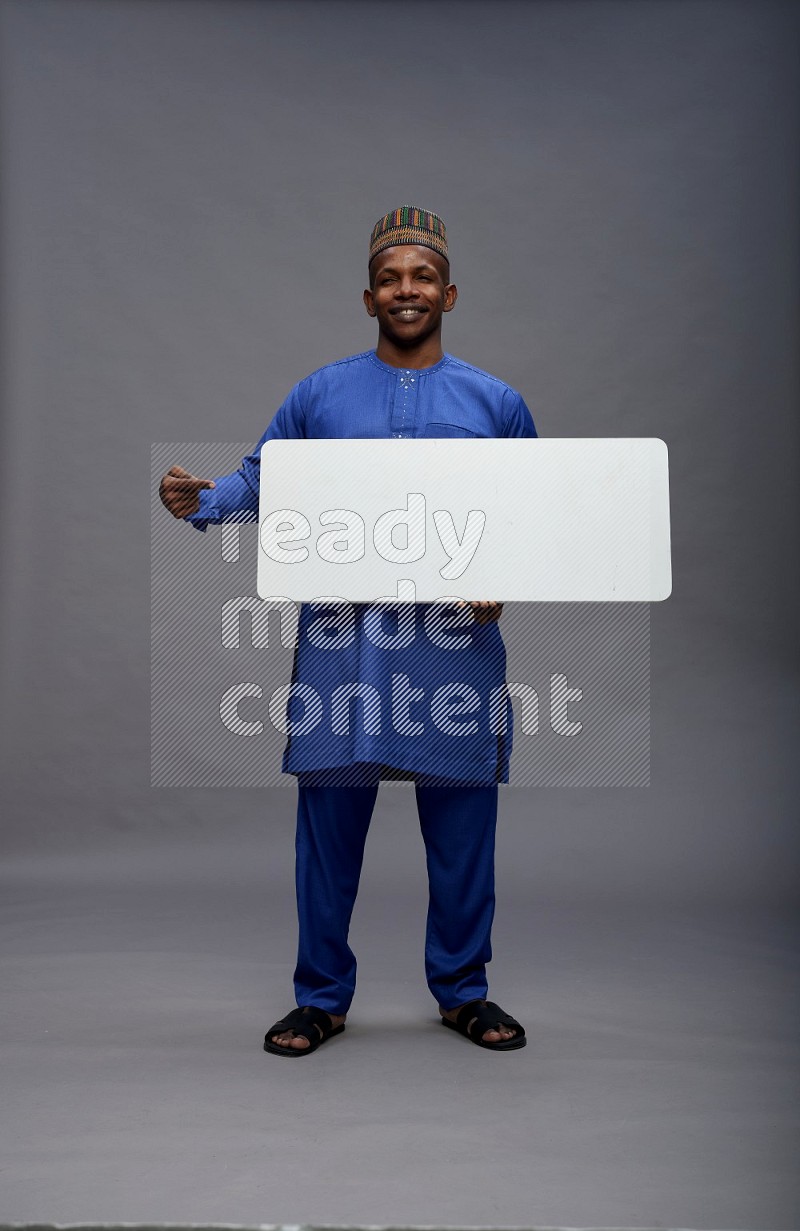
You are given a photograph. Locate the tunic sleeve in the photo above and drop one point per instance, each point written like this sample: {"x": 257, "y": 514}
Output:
{"x": 519, "y": 420}
{"x": 235, "y": 496}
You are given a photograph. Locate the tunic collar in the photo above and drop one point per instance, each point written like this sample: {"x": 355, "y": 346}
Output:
{"x": 387, "y": 367}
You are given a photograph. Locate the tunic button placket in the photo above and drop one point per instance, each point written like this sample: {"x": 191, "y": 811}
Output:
{"x": 404, "y": 412}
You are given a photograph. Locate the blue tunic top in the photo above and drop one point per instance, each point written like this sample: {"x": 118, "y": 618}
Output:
{"x": 425, "y": 707}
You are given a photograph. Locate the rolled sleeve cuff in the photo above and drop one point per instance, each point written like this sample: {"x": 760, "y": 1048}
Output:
{"x": 232, "y": 499}
{"x": 207, "y": 514}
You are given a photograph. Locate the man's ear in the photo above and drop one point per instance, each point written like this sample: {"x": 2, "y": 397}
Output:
{"x": 369, "y": 303}
{"x": 450, "y": 297}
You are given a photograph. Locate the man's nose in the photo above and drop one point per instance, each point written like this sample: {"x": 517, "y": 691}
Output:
{"x": 406, "y": 289}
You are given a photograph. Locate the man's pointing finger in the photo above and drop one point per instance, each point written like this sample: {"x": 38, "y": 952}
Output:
{"x": 179, "y": 491}
{"x": 191, "y": 484}
{"x": 182, "y": 480}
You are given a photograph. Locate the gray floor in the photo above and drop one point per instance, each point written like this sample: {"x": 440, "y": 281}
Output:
{"x": 658, "y": 1088}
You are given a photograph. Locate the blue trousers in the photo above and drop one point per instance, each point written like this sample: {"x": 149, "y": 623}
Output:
{"x": 458, "y": 827}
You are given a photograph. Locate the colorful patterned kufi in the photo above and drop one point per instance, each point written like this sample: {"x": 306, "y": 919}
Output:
{"x": 409, "y": 225}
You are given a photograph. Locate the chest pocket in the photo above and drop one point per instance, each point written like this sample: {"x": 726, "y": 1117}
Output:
{"x": 448, "y": 429}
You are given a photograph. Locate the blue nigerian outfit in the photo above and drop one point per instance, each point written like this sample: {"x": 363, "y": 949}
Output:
{"x": 456, "y": 761}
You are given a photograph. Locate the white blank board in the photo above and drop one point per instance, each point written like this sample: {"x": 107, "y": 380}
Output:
{"x": 506, "y": 520}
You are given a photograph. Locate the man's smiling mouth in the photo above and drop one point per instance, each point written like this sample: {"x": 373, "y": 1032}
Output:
{"x": 408, "y": 314}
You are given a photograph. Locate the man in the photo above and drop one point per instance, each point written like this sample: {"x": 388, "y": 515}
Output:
{"x": 406, "y": 387}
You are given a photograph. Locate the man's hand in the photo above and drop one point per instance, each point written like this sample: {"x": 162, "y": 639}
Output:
{"x": 485, "y": 613}
{"x": 180, "y": 491}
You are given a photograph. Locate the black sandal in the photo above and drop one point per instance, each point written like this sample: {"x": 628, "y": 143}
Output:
{"x": 478, "y": 1016}
{"x": 309, "y": 1023}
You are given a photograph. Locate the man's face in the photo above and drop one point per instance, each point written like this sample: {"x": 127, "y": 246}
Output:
{"x": 409, "y": 292}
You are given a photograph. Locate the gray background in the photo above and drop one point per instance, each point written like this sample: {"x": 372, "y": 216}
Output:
{"x": 187, "y": 194}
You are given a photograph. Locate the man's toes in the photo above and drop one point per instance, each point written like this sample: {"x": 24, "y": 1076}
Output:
{"x": 499, "y": 1036}
{"x": 288, "y": 1039}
